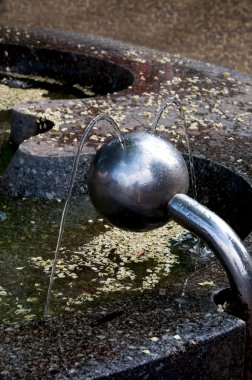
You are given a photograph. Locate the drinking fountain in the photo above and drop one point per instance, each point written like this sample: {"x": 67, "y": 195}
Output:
{"x": 152, "y": 182}
{"x": 140, "y": 182}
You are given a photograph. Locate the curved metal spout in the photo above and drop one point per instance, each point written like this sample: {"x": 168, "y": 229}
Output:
{"x": 131, "y": 187}
{"x": 229, "y": 249}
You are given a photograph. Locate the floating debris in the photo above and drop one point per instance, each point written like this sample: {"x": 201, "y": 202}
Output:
{"x": 206, "y": 283}
{"x": 116, "y": 261}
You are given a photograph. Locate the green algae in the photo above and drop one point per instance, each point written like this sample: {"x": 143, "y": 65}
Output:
{"x": 92, "y": 266}
{"x": 97, "y": 263}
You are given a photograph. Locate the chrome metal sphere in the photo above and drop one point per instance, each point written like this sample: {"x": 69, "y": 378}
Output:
{"x": 130, "y": 184}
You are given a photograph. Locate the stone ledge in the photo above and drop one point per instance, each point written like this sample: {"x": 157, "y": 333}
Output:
{"x": 116, "y": 342}
{"x": 218, "y": 102}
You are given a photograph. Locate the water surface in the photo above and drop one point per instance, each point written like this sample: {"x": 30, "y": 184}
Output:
{"x": 97, "y": 263}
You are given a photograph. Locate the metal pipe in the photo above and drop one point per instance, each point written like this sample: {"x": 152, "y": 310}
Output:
{"x": 131, "y": 187}
{"x": 230, "y": 251}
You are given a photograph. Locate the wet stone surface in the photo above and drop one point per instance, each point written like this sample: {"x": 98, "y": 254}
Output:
{"x": 155, "y": 334}
{"x": 217, "y": 104}
{"x": 217, "y": 32}
{"x": 145, "y": 337}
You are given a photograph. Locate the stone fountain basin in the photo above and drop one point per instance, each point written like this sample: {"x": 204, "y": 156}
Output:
{"x": 151, "y": 335}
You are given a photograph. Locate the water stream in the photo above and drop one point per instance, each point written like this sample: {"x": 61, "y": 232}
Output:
{"x": 74, "y": 171}
{"x": 175, "y": 102}
{"x": 97, "y": 263}
{"x": 92, "y": 123}
{"x": 200, "y": 247}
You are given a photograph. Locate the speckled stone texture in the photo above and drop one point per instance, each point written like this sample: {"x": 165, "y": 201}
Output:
{"x": 217, "y": 104}
{"x": 216, "y": 31}
{"x": 147, "y": 337}
{"x": 153, "y": 336}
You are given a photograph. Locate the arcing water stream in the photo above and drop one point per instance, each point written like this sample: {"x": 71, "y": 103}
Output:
{"x": 74, "y": 171}
{"x": 97, "y": 263}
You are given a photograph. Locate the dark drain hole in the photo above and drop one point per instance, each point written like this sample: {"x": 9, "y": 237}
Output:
{"x": 107, "y": 318}
{"x": 226, "y": 299}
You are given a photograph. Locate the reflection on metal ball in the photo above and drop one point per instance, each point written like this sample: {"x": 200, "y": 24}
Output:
{"x": 130, "y": 183}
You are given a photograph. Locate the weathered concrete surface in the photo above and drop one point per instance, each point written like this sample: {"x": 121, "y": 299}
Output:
{"x": 147, "y": 337}
{"x": 219, "y": 31}
{"x": 217, "y": 103}
{"x": 119, "y": 344}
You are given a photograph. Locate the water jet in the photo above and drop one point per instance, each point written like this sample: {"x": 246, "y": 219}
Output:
{"x": 140, "y": 185}
{"x": 134, "y": 336}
